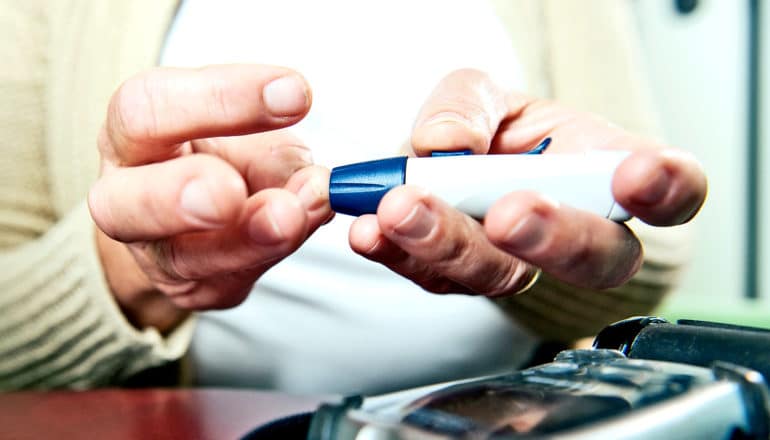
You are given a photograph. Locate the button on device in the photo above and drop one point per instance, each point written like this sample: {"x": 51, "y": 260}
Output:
{"x": 592, "y": 356}
{"x": 559, "y": 368}
{"x": 685, "y": 7}
{"x": 619, "y": 376}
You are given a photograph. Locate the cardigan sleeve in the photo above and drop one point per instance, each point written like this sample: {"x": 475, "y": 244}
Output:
{"x": 60, "y": 327}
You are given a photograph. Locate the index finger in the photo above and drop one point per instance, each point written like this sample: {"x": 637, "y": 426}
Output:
{"x": 153, "y": 113}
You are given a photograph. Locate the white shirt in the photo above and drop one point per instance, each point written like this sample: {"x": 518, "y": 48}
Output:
{"x": 325, "y": 319}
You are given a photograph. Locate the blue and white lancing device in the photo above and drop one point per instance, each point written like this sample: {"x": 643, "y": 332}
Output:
{"x": 472, "y": 183}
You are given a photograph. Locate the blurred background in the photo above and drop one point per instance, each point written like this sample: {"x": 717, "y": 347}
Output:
{"x": 710, "y": 71}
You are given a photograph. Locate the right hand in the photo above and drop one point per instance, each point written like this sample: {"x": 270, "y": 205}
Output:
{"x": 200, "y": 193}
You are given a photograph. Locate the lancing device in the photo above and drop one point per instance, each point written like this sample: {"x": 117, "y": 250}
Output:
{"x": 472, "y": 183}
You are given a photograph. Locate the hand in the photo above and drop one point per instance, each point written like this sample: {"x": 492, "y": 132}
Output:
{"x": 443, "y": 250}
{"x": 200, "y": 193}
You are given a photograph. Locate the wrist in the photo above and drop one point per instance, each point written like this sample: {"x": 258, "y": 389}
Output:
{"x": 141, "y": 303}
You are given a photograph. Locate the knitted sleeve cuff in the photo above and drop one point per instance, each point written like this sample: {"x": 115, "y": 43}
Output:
{"x": 61, "y": 327}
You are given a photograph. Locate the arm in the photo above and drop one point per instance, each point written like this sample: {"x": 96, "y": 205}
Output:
{"x": 420, "y": 237}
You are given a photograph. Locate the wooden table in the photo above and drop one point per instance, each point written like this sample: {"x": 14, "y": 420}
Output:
{"x": 143, "y": 413}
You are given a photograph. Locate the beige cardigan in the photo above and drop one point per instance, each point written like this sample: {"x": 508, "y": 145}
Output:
{"x": 59, "y": 326}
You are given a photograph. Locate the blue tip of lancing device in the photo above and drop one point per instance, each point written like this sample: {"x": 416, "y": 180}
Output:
{"x": 356, "y": 189}
{"x": 540, "y": 147}
{"x": 450, "y": 153}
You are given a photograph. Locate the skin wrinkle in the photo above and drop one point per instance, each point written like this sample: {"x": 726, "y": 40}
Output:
{"x": 511, "y": 127}
{"x": 218, "y": 102}
{"x": 106, "y": 150}
{"x": 140, "y": 129}
{"x": 144, "y": 126}
{"x": 463, "y": 253}
{"x": 515, "y": 278}
{"x": 493, "y": 104}
{"x": 395, "y": 257}
{"x": 449, "y": 254}
{"x": 160, "y": 254}
{"x": 502, "y": 278}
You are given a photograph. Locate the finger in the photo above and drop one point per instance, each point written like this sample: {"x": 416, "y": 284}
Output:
{"x": 153, "y": 113}
{"x": 664, "y": 187}
{"x": 272, "y": 225}
{"x": 463, "y": 112}
{"x": 448, "y": 243}
{"x": 311, "y": 185}
{"x": 530, "y": 120}
{"x": 367, "y": 240}
{"x": 192, "y": 193}
{"x": 265, "y": 160}
{"x": 575, "y": 246}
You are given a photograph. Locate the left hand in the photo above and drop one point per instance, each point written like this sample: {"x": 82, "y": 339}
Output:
{"x": 443, "y": 250}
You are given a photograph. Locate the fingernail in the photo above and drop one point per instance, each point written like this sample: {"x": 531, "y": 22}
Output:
{"x": 417, "y": 224}
{"x": 197, "y": 201}
{"x": 286, "y": 96}
{"x": 527, "y": 234}
{"x": 264, "y": 229}
{"x": 656, "y": 188}
{"x": 447, "y": 117}
{"x": 312, "y": 192}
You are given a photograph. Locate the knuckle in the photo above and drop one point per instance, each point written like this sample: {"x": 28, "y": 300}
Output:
{"x": 218, "y": 103}
{"x": 515, "y": 280}
{"x": 452, "y": 251}
{"x": 508, "y": 279}
{"x": 462, "y": 252}
{"x": 153, "y": 211}
{"x": 465, "y": 73}
{"x": 171, "y": 262}
{"x": 103, "y": 142}
{"x": 578, "y": 255}
{"x": 100, "y": 212}
{"x": 134, "y": 109}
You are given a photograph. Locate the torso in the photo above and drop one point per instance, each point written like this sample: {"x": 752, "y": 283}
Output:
{"x": 326, "y": 320}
